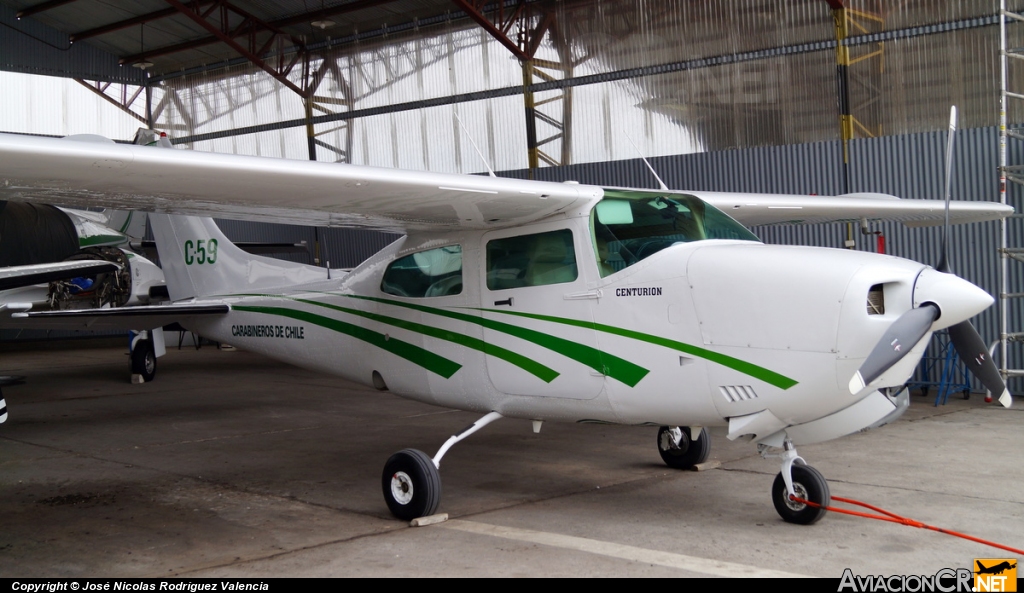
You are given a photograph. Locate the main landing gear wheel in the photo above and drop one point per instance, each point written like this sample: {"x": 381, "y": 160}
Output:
{"x": 412, "y": 485}
{"x": 810, "y": 485}
{"x": 144, "y": 360}
{"x": 688, "y": 452}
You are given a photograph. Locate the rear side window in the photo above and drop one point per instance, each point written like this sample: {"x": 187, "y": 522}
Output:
{"x": 531, "y": 260}
{"x": 432, "y": 273}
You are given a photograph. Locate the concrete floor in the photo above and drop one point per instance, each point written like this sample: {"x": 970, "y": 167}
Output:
{"x": 230, "y": 464}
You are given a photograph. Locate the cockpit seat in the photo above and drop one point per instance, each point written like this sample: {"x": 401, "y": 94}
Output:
{"x": 551, "y": 262}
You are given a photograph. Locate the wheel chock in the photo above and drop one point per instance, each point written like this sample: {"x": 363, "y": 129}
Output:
{"x": 428, "y": 520}
{"x": 700, "y": 467}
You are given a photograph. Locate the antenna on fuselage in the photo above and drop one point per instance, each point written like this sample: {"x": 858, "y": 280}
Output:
{"x": 462, "y": 127}
{"x": 644, "y": 159}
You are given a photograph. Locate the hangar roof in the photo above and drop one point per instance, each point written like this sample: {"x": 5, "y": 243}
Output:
{"x": 174, "y": 35}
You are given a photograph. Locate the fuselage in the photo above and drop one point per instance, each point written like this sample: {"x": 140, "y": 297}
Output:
{"x": 577, "y": 320}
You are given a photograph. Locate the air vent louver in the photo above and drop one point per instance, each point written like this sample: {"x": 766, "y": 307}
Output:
{"x": 738, "y": 393}
{"x": 876, "y": 300}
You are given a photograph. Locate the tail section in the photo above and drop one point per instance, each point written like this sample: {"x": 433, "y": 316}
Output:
{"x": 127, "y": 222}
{"x": 199, "y": 261}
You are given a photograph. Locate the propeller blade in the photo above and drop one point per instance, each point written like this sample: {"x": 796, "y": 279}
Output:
{"x": 896, "y": 343}
{"x": 975, "y": 355}
{"x": 944, "y": 256}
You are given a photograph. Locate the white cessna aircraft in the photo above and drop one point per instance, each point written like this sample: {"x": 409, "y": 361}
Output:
{"x": 539, "y": 301}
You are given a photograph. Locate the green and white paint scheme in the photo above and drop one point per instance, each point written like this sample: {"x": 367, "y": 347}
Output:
{"x": 98, "y": 229}
{"x": 534, "y": 300}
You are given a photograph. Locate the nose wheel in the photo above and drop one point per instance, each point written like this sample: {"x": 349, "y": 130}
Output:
{"x": 808, "y": 484}
{"x": 797, "y": 480}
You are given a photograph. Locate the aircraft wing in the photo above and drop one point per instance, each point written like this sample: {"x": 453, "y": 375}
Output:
{"x": 85, "y": 172}
{"x": 9, "y": 309}
{"x": 90, "y": 171}
{"x": 18, "y": 276}
{"x": 759, "y": 209}
{"x": 118, "y": 318}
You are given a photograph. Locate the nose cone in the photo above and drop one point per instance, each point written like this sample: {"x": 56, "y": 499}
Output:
{"x": 958, "y": 300}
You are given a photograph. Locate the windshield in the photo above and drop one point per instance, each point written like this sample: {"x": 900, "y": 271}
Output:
{"x": 629, "y": 226}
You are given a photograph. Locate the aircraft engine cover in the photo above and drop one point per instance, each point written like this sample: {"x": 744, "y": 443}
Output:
{"x": 35, "y": 234}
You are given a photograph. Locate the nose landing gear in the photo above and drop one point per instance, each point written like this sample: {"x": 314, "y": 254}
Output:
{"x": 798, "y": 480}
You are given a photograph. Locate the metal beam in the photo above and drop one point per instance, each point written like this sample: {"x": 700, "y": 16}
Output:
{"x": 329, "y": 12}
{"x": 125, "y": 103}
{"x": 499, "y": 30}
{"x": 519, "y": 14}
{"x": 204, "y": 41}
{"x": 253, "y": 26}
{"x": 139, "y": 20}
{"x": 31, "y": 10}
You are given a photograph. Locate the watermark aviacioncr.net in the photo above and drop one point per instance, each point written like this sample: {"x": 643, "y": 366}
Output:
{"x": 997, "y": 575}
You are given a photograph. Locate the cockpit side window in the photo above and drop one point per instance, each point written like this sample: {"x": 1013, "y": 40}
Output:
{"x": 431, "y": 273}
{"x": 531, "y": 260}
{"x": 630, "y": 226}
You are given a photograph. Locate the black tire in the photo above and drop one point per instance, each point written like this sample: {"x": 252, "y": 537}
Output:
{"x": 690, "y": 451}
{"x": 809, "y": 485}
{"x": 144, "y": 360}
{"x": 411, "y": 484}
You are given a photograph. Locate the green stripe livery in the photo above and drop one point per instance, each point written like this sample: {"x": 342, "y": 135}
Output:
{"x": 602, "y": 362}
{"x": 531, "y": 366}
{"x": 747, "y": 368}
{"x": 414, "y": 354}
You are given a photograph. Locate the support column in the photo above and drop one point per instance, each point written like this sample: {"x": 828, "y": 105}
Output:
{"x": 307, "y": 102}
{"x": 532, "y": 150}
{"x": 841, "y": 22}
{"x": 149, "y": 106}
{"x": 532, "y": 22}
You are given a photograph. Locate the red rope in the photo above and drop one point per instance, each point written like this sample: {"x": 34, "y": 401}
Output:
{"x": 894, "y": 518}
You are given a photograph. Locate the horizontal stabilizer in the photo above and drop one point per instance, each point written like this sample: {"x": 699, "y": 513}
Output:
{"x": 253, "y": 247}
{"x": 119, "y": 318}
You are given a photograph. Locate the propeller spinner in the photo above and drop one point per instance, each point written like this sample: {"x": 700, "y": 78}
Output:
{"x": 940, "y": 294}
